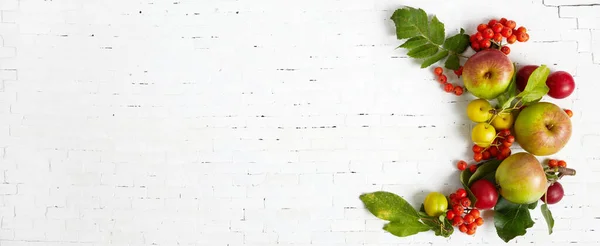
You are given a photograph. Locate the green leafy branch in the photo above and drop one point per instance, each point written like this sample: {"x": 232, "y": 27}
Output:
{"x": 403, "y": 219}
{"x": 426, "y": 38}
{"x": 535, "y": 89}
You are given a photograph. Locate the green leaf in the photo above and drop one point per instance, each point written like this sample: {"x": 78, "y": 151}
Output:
{"x": 435, "y": 58}
{"x": 465, "y": 175}
{"x": 532, "y": 206}
{"x": 511, "y": 220}
{"x": 403, "y": 19}
{"x": 405, "y": 228}
{"x": 423, "y": 51}
{"x": 536, "y": 86}
{"x": 484, "y": 169}
{"x": 457, "y": 43}
{"x": 443, "y": 229}
{"x": 548, "y": 217}
{"x": 420, "y": 20}
{"x": 414, "y": 42}
{"x": 453, "y": 62}
{"x": 436, "y": 31}
{"x": 389, "y": 206}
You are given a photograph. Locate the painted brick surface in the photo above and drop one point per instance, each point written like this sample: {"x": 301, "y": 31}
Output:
{"x": 246, "y": 123}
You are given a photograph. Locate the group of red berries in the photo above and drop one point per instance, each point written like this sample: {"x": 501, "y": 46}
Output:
{"x": 467, "y": 219}
{"x": 552, "y": 163}
{"x": 495, "y": 31}
{"x": 500, "y": 147}
{"x": 443, "y": 79}
{"x": 462, "y": 165}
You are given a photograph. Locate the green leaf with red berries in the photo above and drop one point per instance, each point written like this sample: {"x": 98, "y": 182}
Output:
{"x": 426, "y": 38}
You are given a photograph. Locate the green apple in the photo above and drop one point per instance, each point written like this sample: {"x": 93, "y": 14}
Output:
{"x": 521, "y": 178}
{"x": 479, "y": 110}
{"x": 488, "y": 73}
{"x": 542, "y": 128}
{"x": 483, "y": 134}
{"x": 503, "y": 121}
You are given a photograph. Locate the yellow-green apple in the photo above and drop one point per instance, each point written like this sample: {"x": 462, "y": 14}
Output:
{"x": 542, "y": 128}
{"x": 479, "y": 110}
{"x": 488, "y": 73}
{"x": 521, "y": 178}
{"x": 503, "y": 121}
{"x": 483, "y": 134}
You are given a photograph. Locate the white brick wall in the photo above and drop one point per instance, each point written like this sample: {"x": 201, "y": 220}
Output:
{"x": 246, "y": 123}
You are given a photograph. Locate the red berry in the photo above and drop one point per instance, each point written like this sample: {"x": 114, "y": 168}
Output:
{"x": 488, "y": 33}
{"x": 469, "y": 219}
{"x": 462, "y": 165}
{"x": 497, "y": 37}
{"x": 507, "y": 144}
{"x": 477, "y": 148}
{"x": 505, "y": 152}
{"x": 465, "y": 202}
{"x": 458, "y": 90}
{"x": 522, "y": 37}
{"x": 461, "y": 193}
{"x": 512, "y": 39}
{"x": 479, "y": 221}
{"x": 462, "y": 228}
{"x": 471, "y": 232}
{"x": 458, "y": 210}
{"x": 492, "y": 22}
{"x": 510, "y": 139}
{"x": 503, "y": 20}
{"x": 553, "y": 163}
{"x": 475, "y": 213}
{"x": 506, "y": 32}
{"x": 459, "y": 71}
{"x": 438, "y": 71}
{"x": 505, "y": 132}
{"x": 442, "y": 79}
{"x": 479, "y": 36}
{"x": 448, "y": 87}
{"x": 485, "y": 43}
{"x": 511, "y": 24}
{"x": 501, "y": 157}
{"x": 450, "y": 215}
{"x": 473, "y": 38}
{"x": 493, "y": 151}
{"x": 470, "y": 226}
{"x": 457, "y": 221}
{"x": 505, "y": 50}
{"x": 477, "y": 157}
{"x": 522, "y": 29}
{"x": 569, "y": 112}
{"x": 475, "y": 46}
{"x": 472, "y": 168}
{"x": 486, "y": 155}
{"x": 497, "y": 28}
{"x": 562, "y": 163}
{"x": 481, "y": 27}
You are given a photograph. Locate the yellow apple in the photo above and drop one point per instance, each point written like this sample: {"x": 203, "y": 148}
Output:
{"x": 483, "y": 134}
{"x": 503, "y": 121}
{"x": 478, "y": 110}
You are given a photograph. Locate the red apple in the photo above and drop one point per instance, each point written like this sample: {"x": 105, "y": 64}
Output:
{"x": 488, "y": 73}
{"x": 523, "y": 75}
{"x": 561, "y": 84}
{"x": 486, "y": 194}
{"x": 542, "y": 128}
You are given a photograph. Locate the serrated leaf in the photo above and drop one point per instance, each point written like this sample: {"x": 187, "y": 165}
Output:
{"x": 389, "y": 206}
{"x": 423, "y": 51}
{"x": 457, "y": 43}
{"x": 414, "y": 42}
{"x": 453, "y": 62}
{"x": 548, "y": 217}
{"x": 420, "y": 20}
{"x": 511, "y": 220}
{"x": 435, "y": 58}
{"x": 484, "y": 169}
{"x": 405, "y": 228}
{"x": 465, "y": 175}
{"x": 436, "y": 31}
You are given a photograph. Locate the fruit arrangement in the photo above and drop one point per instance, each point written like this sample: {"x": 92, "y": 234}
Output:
{"x": 508, "y": 111}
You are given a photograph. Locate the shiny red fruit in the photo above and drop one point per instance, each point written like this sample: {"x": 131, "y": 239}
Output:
{"x": 486, "y": 194}
{"x": 555, "y": 193}
{"x": 523, "y": 75}
{"x": 561, "y": 84}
